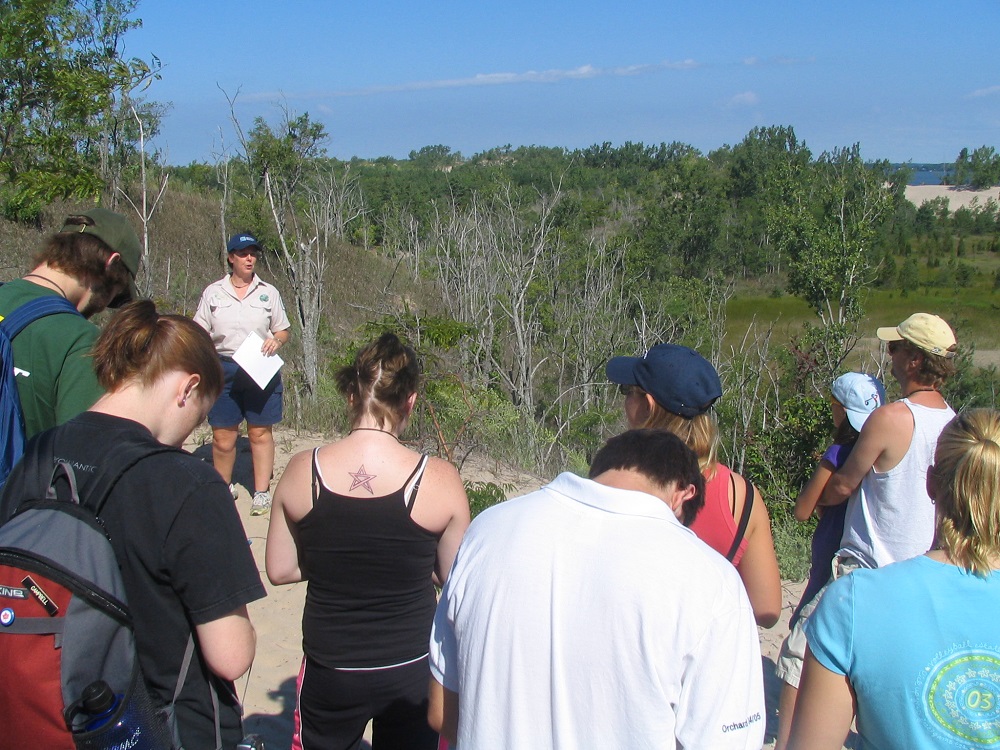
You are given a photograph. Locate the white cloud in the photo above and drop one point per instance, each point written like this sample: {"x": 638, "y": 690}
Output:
{"x": 988, "y": 91}
{"x": 746, "y": 99}
{"x": 490, "y": 79}
{"x": 780, "y": 60}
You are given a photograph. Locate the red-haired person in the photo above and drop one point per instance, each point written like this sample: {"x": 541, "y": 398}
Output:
{"x": 183, "y": 554}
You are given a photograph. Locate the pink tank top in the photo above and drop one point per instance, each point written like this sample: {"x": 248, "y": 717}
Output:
{"x": 714, "y": 523}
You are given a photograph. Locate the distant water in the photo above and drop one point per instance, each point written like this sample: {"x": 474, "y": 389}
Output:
{"x": 927, "y": 177}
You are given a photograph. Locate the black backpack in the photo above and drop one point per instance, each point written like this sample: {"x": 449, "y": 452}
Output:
{"x": 64, "y": 620}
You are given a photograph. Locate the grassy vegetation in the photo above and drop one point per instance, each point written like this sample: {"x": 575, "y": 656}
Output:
{"x": 972, "y": 310}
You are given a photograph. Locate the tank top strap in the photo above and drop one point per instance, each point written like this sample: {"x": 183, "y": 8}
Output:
{"x": 315, "y": 476}
{"x": 412, "y": 484}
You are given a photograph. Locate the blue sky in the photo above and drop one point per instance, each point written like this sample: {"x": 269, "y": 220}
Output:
{"x": 914, "y": 80}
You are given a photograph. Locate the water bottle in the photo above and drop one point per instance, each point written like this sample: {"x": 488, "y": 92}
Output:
{"x": 110, "y": 721}
{"x": 99, "y": 703}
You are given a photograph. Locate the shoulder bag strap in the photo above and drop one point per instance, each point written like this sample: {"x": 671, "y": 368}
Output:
{"x": 741, "y": 530}
{"x": 182, "y": 678}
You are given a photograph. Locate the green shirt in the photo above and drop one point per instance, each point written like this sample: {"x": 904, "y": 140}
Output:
{"x": 54, "y": 374}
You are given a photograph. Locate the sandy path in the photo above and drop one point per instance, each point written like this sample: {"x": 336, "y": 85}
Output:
{"x": 269, "y": 692}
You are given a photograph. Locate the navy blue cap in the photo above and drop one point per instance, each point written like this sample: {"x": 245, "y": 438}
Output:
{"x": 678, "y": 378}
{"x": 240, "y": 241}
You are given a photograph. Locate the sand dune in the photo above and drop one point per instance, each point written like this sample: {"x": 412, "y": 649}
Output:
{"x": 957, "y": 197}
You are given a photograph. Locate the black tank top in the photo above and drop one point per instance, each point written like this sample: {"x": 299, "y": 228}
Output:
{"x": 370, "y": 600}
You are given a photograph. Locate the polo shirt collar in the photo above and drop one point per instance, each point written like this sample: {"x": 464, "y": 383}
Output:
{"x": 611, "y": 499}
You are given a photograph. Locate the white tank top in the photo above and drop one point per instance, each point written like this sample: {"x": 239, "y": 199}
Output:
{"x": 890, "y": 517}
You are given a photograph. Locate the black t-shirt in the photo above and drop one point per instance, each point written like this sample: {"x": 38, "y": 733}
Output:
{"x": 183, "y": 554}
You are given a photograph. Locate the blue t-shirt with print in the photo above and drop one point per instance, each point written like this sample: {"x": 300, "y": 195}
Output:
{"x": 919, "y": 641}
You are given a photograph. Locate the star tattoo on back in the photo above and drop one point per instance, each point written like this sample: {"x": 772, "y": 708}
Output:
{"x": 362, "y": 479}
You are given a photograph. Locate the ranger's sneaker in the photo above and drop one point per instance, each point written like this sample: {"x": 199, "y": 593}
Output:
{"x": 261, "y": 503}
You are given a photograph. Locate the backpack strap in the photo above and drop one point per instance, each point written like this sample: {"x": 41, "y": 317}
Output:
{"x": 741, "y": 530}
{"x": 34, "y": 309}
{"x": 38, "y": 464}
{"x": 12, "y": 430}
{"x": 125, "y": 458}
{"x": 182, "y": 678}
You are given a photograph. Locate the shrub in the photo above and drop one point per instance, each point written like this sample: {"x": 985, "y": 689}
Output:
{"x": 792, "y": 544}
{"x": 483, "y": 495}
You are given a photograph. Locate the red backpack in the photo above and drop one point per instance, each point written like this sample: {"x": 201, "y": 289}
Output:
{"x": 64, "y": 621}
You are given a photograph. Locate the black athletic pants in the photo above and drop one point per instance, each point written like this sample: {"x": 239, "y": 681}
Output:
{"x": 335, "y": 705}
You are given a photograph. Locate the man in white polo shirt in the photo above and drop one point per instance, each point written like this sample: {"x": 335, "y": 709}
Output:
{"x": 587, "y": 615}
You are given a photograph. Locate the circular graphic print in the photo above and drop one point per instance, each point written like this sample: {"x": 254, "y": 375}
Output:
{"x": 962, "y": 697}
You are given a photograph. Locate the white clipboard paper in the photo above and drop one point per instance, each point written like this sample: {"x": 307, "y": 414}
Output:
{"x": 249, "y": 356}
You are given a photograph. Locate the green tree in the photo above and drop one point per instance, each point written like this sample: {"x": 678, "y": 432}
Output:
{"x": 829, "y": 230}
{"x": 830, "y": 234}
{"x": 962, "y": 172}
{"x": 984, "y": 168}
{"x": 965, "y": 274}
{"x": 685, "y": 208}
{"x": 434, "y": 157}
{"x": 931, "y": 215}
{"x": 909, "y": 277}
{"x": 61, "y": 69}
{"x": 766, "y": 167}
{"x": 887, "y": 270}
{"x": 283, "y": 159}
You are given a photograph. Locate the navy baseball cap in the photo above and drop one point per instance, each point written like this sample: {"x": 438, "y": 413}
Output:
{"x": 240, "y": 241}
{"x": 678, "y": 378}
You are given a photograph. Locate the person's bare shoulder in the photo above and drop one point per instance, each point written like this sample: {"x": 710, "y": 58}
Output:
{"x": 297, "y": 474}
{"x": 890, "y": 427}
{"x": 887, "y": 418}
{"x": 443, "y": 472}
{"x": 301, "y": 461}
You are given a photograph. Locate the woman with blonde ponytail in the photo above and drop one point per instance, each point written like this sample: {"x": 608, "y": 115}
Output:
{"x": 674, "y": 388}
{"x": 914, "y": 648}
